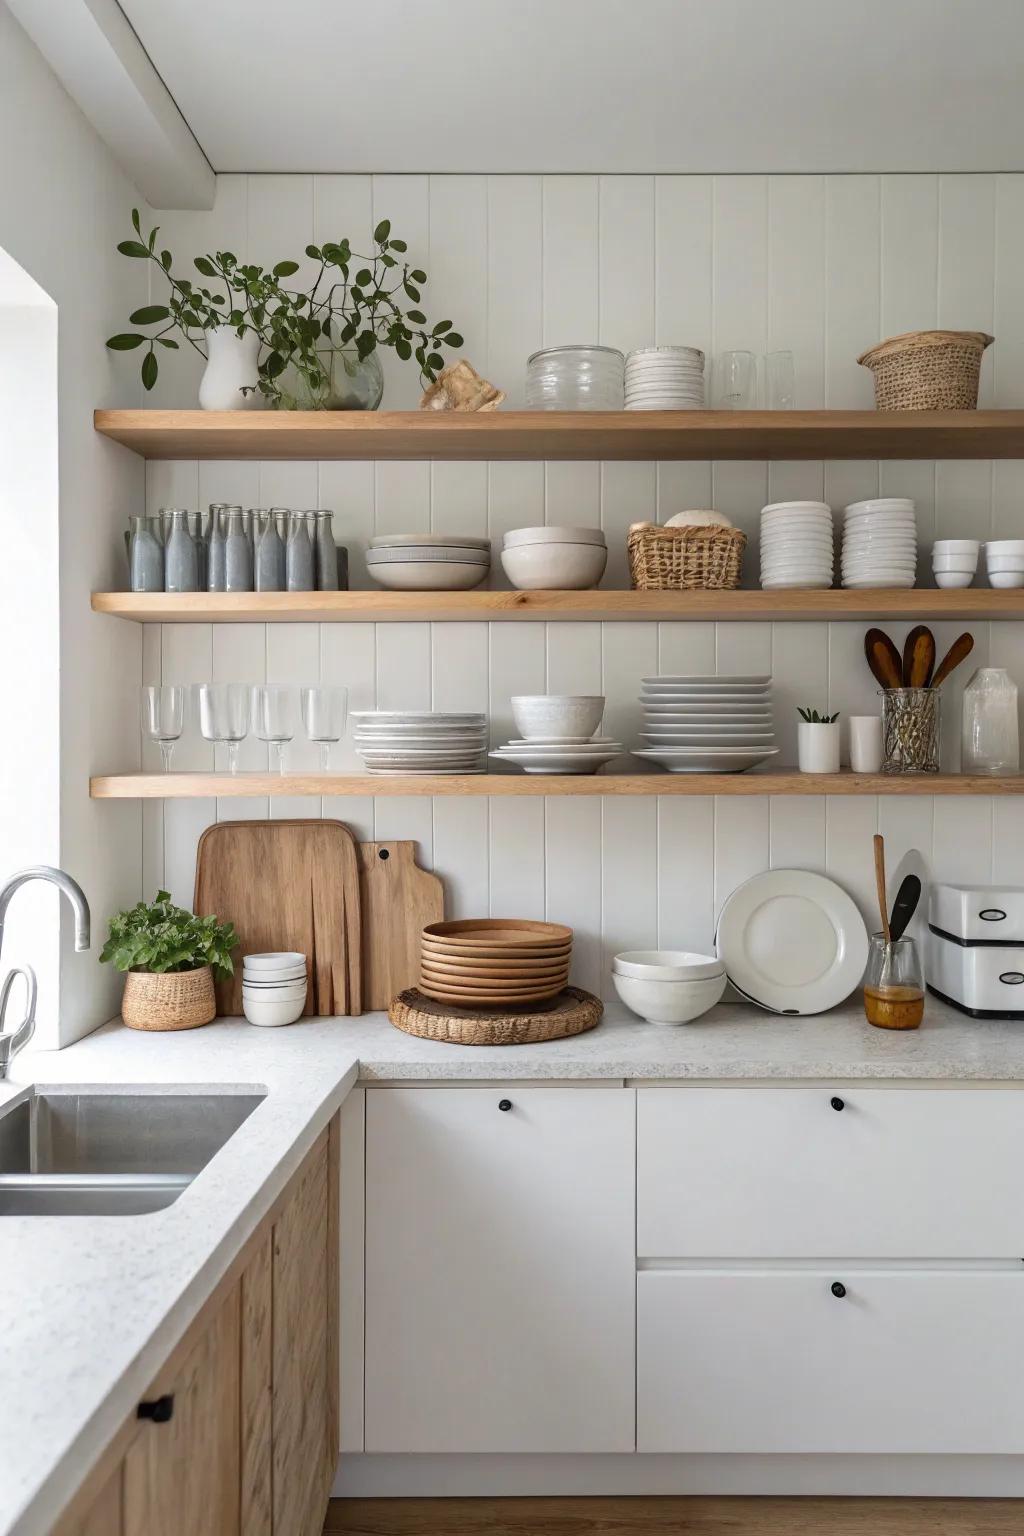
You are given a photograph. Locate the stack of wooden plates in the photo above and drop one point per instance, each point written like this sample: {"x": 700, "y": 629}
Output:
{"x": 494, "y": 962}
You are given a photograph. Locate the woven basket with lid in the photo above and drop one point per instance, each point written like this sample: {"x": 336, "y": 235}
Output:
{"x": 927, "y": 370}
{"x": 684, "y": 559}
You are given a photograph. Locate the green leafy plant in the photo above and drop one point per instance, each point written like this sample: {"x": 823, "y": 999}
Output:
{"x": 811, "y": 717}
{"x": 354, "y": 301}
{"x": 163, "y": 937}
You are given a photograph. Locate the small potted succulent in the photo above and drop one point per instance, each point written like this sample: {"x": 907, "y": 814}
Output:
{"x": 169, "y": 957}
{"x": 818, "y": 742}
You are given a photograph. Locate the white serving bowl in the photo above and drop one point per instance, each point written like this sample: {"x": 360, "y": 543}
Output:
{"x": 669, "y": 1002}
{"x": 1006, "y": 578}
{"x": 667, "y": 965}
{"x": 1004, "y": 547}
{"x": 428, "y": 575}
{"x": 545, "y": 533}
{"x": 260, "y": 1011}
{"x": 550, "y": 566}
{"x": 953, "y": 578}
{"x": 574, "y": 717}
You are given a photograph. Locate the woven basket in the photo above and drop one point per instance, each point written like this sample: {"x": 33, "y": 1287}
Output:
{"x": 683, "y": 559}
{"x": 927, "y": 370}
{"x": 172, "y": 1000}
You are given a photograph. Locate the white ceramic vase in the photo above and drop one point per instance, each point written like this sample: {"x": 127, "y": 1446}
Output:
{"x": 818, "y": 747}
{"x": 231, "y": 365}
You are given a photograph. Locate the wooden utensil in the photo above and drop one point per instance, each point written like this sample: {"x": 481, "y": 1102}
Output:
{"x": 398, "y": 900}
{"x": 958, "y": 652}
{"x": 287, "y": 885}
{"x": 918, "y": 657}
{"x": 884, "y": 659}
{"x": 904, "y": 907}
{"x": 883, "y": 904}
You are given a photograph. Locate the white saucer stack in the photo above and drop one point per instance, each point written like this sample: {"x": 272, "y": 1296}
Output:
{"x": 880, "y": 543}
{"x": 796, "y": 546}
{"x": 702, "y": 724}
{"x": 665, "y": 379}
{"x": 550, "y": 755}
{"x": 420, "y": 741}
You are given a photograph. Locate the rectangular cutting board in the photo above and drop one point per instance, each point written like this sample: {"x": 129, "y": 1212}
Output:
{"x": 398, "y": 900}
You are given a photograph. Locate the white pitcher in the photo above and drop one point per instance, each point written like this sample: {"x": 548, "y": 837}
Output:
{"x": 230, "y": 364}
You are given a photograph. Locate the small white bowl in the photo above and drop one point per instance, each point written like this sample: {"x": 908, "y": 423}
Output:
{"x": 261, "y": 988}
{"x": 669, "y": 1002}
{"x": 1004, "y": 547}
{"x": 273, "y": 960}
{"x": 553, "y": 567}
{"x": 953, "y": 563}
{"x": 1005, "y": 562}
{"x": 272, "y": 1013}
{"x": 546, "y": 534}
{"x": 1006, "y": 578}
{"x": 667, "y": 965}
{"x": 428, "y": 575}
{"x": 953, "y": 578}
{"x": 956, "y": 547}
{"x": 288, "y": 994}
{"x": 573, "y": 717}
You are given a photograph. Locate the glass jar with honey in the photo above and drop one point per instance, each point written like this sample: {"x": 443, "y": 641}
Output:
{"x": 893, "y": 984}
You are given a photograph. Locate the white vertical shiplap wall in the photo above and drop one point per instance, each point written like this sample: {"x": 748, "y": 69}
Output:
{"x": 824, "y": 266}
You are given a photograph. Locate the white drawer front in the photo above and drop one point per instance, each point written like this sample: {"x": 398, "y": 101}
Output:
{"x": 779, "y": 1173}
{"x": 761, "y": 1362}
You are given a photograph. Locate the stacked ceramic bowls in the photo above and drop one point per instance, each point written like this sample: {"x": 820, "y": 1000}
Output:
{"x": 1004, "y": 561}
{"x": 403, "y": 741}
{"x": 558, "y": 734}
{"x": 424, "y": 562}
{"x": 274, "y": 987}
{"x": 554, "y": 559}
{"x": 665, "y": 379}
{"x": 796, "y": 546}
{"x": 582, "y": 378}
{"x": 707, "y": 724}
{"x": 880, "y": 543}
{"x": 494, "y": 962}
{"x": 955, "y": 561}
{"x": 668, "y": 986}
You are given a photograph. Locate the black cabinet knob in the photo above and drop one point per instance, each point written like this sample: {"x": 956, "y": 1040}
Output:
{"x": 160, "y": 1410}
{"x": 838, "y": 1289}
{"x": 505, "y": 1104}
{"x": 837, "y": 1103}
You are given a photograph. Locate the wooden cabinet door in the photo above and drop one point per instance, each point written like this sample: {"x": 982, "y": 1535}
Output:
{"x": 105, "y": 1515}
{"x": 183, "y": 1475}
{"x": 500, "y": 1270}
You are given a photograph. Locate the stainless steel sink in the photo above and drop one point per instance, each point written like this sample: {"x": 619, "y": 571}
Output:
{"x": 105, "y": 1153}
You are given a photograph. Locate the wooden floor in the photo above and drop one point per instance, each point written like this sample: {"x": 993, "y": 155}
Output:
{"x": 688, "y": 1517}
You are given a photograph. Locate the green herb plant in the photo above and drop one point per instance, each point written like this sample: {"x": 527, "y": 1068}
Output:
{"x": 163, "y": 937}
{"x": 353, "y": 301}
{"x": 811, "y": 717}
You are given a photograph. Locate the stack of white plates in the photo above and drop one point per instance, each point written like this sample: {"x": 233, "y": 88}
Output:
{"x": 549, "y": 754}
{"x": 707, "y": 724}
{"x": 796, "y": 545}
{"x": 274, "y": 987}
{"x": 428, "y": 562}
{"x": 880, "y": 543}
{"x": 665, "y": 379}
{"x": 405, "y": 741}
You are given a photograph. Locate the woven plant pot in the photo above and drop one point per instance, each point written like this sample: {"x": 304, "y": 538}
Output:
{"x": 927, "y": 370}
{"x": 173, "y": 1000}
{"x": 685, "y": 559}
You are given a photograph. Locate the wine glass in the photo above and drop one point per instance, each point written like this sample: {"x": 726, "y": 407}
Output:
{"x": 273, "y": 718}
{"x": 163, "y": 716}
{"x": 324, "y": 712}
{"x": 224, "y": 716}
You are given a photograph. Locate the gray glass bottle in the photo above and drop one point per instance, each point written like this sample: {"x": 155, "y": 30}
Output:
{"x": 326, "y": 553}
{"x": 249, "y": 528}
{"x": 270, "y": 572}
{"x": 300, "y": 557}
{"x": 181, "y": 567}
{"x": 215, "y": 549}
{"x": 195, "y": 528}
{"x": 237, "y": 555}
{"x": 145, "y": 557}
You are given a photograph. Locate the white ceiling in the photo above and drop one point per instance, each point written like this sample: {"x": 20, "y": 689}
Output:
{"x": 594, "y": 85}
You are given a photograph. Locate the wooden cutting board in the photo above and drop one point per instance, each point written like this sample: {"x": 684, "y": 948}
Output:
{"x": 398, "y": 899}
{"x": 287, "y": 885}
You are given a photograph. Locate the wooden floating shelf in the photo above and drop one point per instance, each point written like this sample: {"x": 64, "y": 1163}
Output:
{"x": 179, "y": 786}
{"x": 606, "y": 435}
{"x": 555, "y": 607}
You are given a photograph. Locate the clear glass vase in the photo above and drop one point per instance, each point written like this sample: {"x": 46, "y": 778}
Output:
{"x": 347, "y": 383}
{"x": 991, "y": 741}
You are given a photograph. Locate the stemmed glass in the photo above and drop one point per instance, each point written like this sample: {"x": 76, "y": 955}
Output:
{"x": 224, "y": 716}
{"x": 163, "y": 716}
{"x": 273, "y": 718}
{"x": 324, "y": 712}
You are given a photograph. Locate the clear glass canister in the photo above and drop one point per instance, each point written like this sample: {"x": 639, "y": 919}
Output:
{"x": 910, "y": 730}
{"x": 579, "y": 378}
{"x": 991, "y": 738}
{"x": 893, "y": 984}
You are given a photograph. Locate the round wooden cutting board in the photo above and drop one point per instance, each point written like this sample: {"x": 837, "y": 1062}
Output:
{"x": 572, "y": 1012}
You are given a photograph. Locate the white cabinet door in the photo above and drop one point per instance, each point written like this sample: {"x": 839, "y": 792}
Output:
{"x": 500, "y": 1269}
{"x": 767, "y": 1173}
{"x": 760, "y": 1362}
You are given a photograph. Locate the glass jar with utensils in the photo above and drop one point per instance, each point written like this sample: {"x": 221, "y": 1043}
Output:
{"x": 910, "y": 730}
{"x": 575, "y": 378}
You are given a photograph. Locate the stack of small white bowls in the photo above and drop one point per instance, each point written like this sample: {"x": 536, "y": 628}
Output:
{"x": 403, "y": 741}
{"x": 796, "y": 545}
{"x": 274, "y": 987}
{"x": 880, "y": 543}
{"x": 1004, "y": 560}
{"x": 554, "y": 559}
{"x": 428, "y": 562}
{"x": 668, "y": 986}
{"x": 954, "y": 561}
{"x": 665, "y": 379}
{"x": 558, "y": 734}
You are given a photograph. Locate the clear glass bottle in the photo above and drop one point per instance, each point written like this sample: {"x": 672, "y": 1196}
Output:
{"x": 237, "y": 554}
{"x": 300, "y": 558}
{"x": 249, "y": 529}
{"x": 215, "y": 549}
{"x": 893, "y": 984}
{"x": 181, "y": 566}
{"x": 195, "y": 528}
{"x": 991, "y": 736}
{"x": 145, "y": 557}
{"x": 269, "y": 575}
{"x": 326, "y": 552}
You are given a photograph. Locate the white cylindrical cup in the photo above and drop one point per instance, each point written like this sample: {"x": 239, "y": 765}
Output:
{"x": 866, "y": 743}
{"x": 818, "y": 746}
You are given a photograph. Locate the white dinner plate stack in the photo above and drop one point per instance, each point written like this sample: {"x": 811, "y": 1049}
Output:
{"x": 880, "y": 543}
{"x": 420, "y": 741}
{"x": 428, "y": 562}
{"x": 707, "y": 724}
{"x": 796, "y": 546}
{"x": 665, "y": 379}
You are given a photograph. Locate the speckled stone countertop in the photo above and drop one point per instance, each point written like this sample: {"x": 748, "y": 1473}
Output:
{"x": 93, "y": 1305}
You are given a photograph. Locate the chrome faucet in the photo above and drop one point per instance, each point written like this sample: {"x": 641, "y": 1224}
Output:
{"x": 12, "y": 1041}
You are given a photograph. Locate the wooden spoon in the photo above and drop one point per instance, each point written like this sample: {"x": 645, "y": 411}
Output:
{"x": 958, "y": 651}
{"x": 918, "y": 657}
{"x": 883, "y": 905}
{"x": 884, "y": 659}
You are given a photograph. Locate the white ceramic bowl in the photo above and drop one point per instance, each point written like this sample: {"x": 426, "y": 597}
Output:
{"x": 667, "y": 965}
{"x": 954, "y": 562}
{"x": 552, "y": 534}
{"x": 260, "y": 979}
{"x": 554, "y": 567}
{"x": 1006, "y": 578}
{"x": 272, "y": 1013}
{"x": 284, "y": 992}
{"x": 273, "y": 960}
{"x": 953, "y": 578}
{"x": 1005, "y": 563}
{"x": 574, "y": 717}
{"x": 1004, "y": 547}
{"x": 669, "y": 1002}
{"x": 428, "y": 575}
{"x": 956, "y": 547}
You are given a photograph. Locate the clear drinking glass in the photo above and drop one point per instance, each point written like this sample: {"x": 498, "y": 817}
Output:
{"x": 779, "y": 381}
{"x": 273, "y": 718}
{"x": 324, "y": 712}
{"x": 163, "y": 717}
{"x": 224, "y": 716}
{"x": 735, "y": 381}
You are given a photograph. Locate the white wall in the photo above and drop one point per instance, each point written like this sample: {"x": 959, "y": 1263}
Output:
{"x": 823, "y": 265}
{"x": 63, "y": 207}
